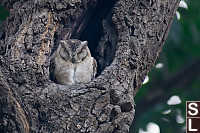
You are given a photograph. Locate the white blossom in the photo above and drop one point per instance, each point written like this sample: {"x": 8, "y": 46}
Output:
{"x": 174, "y": 100}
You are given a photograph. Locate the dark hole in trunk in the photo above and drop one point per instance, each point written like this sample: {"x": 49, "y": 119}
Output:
{"x": 99, "y": 32}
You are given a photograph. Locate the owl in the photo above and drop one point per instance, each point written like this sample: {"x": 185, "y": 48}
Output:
{"x": 73, "y": 63}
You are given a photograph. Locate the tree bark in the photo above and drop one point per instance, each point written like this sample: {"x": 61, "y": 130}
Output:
{"x": 131, "y": 32}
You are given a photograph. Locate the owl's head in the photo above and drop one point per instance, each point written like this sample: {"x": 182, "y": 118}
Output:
{"x": 74, "y": 50}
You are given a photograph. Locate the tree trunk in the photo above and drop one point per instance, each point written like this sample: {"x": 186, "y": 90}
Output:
{"x": 125, "y": 37}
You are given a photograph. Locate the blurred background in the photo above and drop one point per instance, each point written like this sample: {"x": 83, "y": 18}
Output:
{"x": 160, "y": 103}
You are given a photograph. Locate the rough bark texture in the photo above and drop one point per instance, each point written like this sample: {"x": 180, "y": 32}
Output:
{"x": 132, "y": 33}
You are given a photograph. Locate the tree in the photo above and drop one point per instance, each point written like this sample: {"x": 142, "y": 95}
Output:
{"x": 124, "y": 36}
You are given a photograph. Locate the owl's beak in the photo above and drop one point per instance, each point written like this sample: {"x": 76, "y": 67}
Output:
{"x": 73, "y": 60}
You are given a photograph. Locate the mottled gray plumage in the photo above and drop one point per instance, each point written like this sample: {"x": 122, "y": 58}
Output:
{"x": 72, "y": 63}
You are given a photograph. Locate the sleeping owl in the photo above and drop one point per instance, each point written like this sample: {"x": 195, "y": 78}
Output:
{"x": 73, "y": 63}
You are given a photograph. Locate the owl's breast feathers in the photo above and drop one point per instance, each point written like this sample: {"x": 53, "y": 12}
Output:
{"x": 70, "y": 73}
{"x": 64, "y": 71}
{"x": 84, "y": 71}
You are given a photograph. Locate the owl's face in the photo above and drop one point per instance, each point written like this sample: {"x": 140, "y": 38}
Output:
{"x": 74, "y": 50}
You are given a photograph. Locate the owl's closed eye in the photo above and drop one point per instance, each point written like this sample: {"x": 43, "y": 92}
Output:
{"x": 64, "y": 54}
{"x": 83, "y": 54}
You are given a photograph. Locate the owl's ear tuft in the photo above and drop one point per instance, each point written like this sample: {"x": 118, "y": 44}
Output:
{"x": 84, "y": 43}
